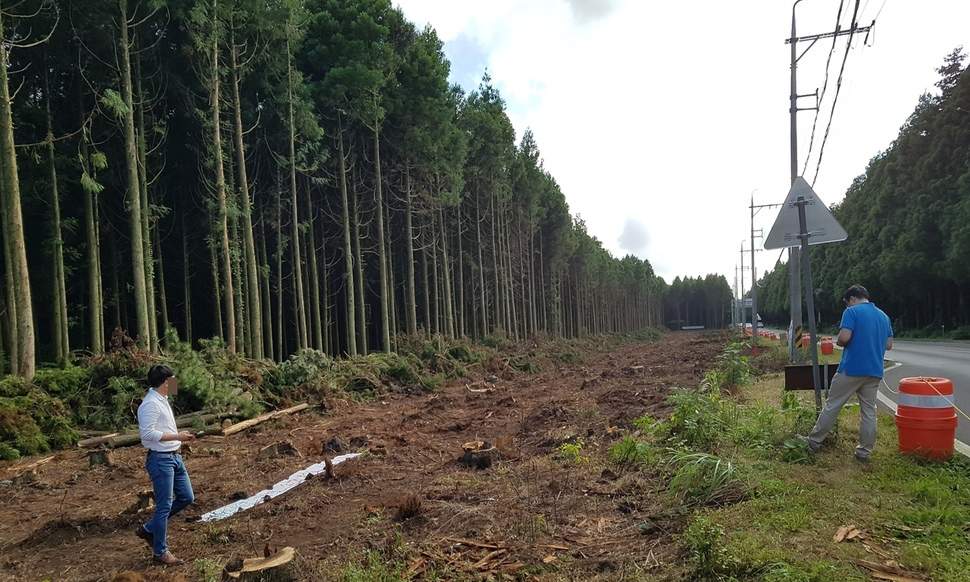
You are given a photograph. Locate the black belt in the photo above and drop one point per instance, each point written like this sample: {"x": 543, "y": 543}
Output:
{"x": 175, "y": 452}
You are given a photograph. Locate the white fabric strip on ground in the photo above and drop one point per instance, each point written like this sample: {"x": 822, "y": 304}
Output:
{"x": 280, "y": 488}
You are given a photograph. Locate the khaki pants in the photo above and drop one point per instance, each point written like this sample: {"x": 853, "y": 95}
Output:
{"x": 842, "y": 389}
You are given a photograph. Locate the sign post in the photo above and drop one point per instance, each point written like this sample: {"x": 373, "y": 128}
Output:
{"x": 802, "y": 221}
{"x": 809, "y": 288}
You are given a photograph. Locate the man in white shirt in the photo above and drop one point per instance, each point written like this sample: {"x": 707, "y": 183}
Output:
{"x": 170, "y": 479}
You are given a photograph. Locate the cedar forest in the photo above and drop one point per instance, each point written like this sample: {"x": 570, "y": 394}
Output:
{"x": 282, "y": 174}
{"x": 908, "y": 219}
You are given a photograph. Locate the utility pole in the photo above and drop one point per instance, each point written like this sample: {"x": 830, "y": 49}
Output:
{"x": 734, "y": 306}
{"x": 742, "y": 284}
{"x": 794, "y": 253}
{"x": 754, "y": 272}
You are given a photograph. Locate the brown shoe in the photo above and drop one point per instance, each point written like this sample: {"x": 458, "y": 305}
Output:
{"x": 143, "y": 534}
{"x": 168, "y": 559}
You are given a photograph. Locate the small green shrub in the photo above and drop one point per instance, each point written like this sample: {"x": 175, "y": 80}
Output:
{"x": 572, "y": 453}
{"x": 796, "y": 451}
{"x": 701, "y": 478}
{"x": 961, "y": 333}
{"x": 698, "y": 420}
{"x": 63, "y": 382}
{"x": 11, "y": 386}
{"x": 706, "y": 554}
{"x": 8, "y": 452}
{"x": 758, "y": 427}
{"x": 630, "y": 451}
{"x": 305, "y": 369}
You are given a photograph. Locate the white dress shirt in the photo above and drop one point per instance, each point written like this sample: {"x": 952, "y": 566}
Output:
{"x": 155, "y": 418}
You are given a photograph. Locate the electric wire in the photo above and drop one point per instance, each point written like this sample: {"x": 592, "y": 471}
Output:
{"x": 838, "y": 89}
{"x": 825, "y": 84}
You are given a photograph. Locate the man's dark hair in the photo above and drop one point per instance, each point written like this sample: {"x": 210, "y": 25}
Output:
{"x": 158, "y": 374}
{"x": 857, "y": 291}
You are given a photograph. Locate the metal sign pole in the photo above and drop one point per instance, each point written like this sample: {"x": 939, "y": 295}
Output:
{"x": 809, "y": 289}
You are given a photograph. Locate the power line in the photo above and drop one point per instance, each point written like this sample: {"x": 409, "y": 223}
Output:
{"x": 838, "y": 89}
{"x": 821, "y": 97}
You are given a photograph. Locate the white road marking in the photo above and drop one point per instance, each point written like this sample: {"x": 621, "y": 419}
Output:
{"x": 960, "y": 446}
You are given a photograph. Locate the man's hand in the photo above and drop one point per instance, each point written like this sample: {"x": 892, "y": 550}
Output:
{"x": 186, "y": 436}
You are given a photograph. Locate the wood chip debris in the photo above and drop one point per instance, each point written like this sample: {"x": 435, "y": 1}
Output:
{"x": 847, "y": 533}
{"x": 889, "y": 570}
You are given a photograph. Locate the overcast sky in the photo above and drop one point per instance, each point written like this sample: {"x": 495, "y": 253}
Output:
{"x": 659, "y": 119}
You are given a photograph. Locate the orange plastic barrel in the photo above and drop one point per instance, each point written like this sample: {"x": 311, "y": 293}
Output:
{"x": 925, "y": 417}
{"x": 827, "y": 348}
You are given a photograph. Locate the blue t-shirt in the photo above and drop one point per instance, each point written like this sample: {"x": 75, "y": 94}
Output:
{"x": 870, "y": 332}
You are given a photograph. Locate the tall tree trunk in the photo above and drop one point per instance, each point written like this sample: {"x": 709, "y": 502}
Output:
{"x": 269, "y": 351}
{"x": 497, "y": 273}
{"x": 481, "y": 267}
{"x": 359, "y": 263}
{"x": 186, "y": 280}
{"x": 446, "y": 282}
{"x": 216, "y": 288}
{"x": 93, "y": 244}
{"x": 10, "y": 298}
{"x": 392, "y": 286}
{"x": 254, "y": 304}
{"x": 425, "y": 291}
{"x": 461, "y": 276}
{"x": 222, "y": 224}
{"x": 280, "y": 350}
{"x": 350, "y": 287}
{"x": 62, "y": 347}
{"x": 117, "y": 299}
{"x": 162, "y": 297}
{"x": 138, "y": 234}
{"x": 314, "y": 277}
{"x": 533, "y": 308}
{"x": 384, "y": 300}
{"x": 432, "y": 231}
{"x": 509, "y": 277}
{"x": 411, "y": 300}
{"x": 299, "y": 302}
{"x": 146, "y": 225}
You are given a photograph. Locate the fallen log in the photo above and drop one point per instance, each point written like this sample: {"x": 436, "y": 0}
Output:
{"x": 21, "y": 469}
{"x": 247, "y": 424}
{"x": 94, "y": 442}
{"x": 204, "y": 419}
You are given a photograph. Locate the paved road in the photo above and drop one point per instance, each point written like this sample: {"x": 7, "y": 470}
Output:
{"x": 923, "y": 358}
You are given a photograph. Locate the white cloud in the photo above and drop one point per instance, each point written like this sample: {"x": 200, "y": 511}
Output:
{"x": 634, "y": 238}
{"x": 670, "y": 114}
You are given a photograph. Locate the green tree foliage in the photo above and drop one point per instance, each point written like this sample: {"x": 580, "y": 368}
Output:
{"x": 285, "y": 175}
{"x": 908, "y": 219}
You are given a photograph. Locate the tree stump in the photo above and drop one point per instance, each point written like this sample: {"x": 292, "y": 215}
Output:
{"x": 100, "y": 457}
{"x": 478, "y": 454}
{"x": 272, "y": 567}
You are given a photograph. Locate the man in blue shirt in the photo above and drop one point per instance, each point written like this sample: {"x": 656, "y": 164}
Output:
{"x": 865, "y": 334}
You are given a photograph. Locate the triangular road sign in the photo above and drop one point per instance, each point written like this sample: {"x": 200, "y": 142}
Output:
{"x": 821, "y": 225}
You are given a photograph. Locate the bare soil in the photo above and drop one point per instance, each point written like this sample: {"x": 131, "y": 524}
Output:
{"x": 531, "y": 514}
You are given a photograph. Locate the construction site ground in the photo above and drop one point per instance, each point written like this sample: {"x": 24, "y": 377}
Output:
{"x": 407, "y": 502}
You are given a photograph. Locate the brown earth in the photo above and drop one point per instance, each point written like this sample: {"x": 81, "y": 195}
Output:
{"x": 531, "y": 514}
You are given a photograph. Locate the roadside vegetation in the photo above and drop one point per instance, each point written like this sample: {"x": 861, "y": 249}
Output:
{"x": 762, "y": 508}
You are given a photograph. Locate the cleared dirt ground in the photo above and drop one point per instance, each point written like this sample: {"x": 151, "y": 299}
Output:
{"x": 531, "y": 514}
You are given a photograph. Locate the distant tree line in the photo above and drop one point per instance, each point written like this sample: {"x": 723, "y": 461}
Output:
{"x": 703, "y": 301}
{"x": 281, "y": 174}
{"x": 908, "y": 219}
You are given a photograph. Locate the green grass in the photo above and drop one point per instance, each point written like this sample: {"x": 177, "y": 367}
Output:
{"x": 914, "y": 511}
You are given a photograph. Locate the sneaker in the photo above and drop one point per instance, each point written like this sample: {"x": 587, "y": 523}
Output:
{"x": 168, "y": 559}
{"x": 141, "y": 532}
{"x": 864, "y": 459}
